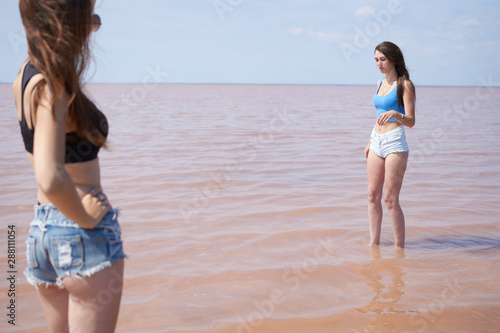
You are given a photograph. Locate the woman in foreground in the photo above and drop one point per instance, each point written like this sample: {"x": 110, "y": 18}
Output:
{"x": 75, "y": 254}
{"x": 387, "y": 152}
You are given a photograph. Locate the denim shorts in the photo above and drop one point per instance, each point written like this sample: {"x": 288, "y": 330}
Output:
{"x": 58, "y": 247}
{"x": 386, "y": 143}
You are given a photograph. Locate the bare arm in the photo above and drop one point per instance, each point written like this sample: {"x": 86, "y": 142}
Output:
{"x": 409, "y": 100}
{"x": 48, "y": 159}
{"x": 367, "y": 149}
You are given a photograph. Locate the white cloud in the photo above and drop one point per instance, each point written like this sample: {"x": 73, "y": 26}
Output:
{"x": 448, "y": 34}
{"x": 467, "y": 22}
{"x": 317, "y": 35}
{"x": 364, "y": 12}
{"x": 324, "y": 36}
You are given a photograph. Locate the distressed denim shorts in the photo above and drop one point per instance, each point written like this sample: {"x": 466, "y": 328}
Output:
{"x": 58, "y": 247}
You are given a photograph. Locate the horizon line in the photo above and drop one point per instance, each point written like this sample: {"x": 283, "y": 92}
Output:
{"x": 281, "y": 84}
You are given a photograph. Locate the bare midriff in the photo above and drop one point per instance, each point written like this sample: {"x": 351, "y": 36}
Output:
{"x": 85, "y": 176}
{"x": 389, "y": 126}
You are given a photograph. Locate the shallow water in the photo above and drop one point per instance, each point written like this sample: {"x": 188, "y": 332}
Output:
{"x": 244, "y": 210}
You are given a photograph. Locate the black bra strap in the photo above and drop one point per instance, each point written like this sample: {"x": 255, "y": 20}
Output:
{"x": 29, "y": 72}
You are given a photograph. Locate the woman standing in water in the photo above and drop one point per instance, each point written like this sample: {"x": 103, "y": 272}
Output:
{"x": 75, "y": 254}
{"x": 387, "y": 152}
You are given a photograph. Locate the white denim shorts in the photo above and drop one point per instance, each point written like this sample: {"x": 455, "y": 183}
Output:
{"x": 390, "y": 142}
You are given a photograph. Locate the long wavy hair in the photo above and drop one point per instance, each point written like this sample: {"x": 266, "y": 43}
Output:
{"x": 393, "y": 53}
{"x": 58, "y": 46}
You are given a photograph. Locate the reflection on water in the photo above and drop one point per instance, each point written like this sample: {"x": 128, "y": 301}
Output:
{"x": 384, "y": 277}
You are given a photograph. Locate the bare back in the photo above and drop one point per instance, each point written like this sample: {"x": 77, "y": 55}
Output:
{"x": 85, "y": 175}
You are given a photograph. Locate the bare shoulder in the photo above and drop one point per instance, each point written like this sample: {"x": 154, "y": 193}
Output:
{"x": 16, "y": 87}
{"x": 409, "y": 89}
{"x": 409, "y": 84}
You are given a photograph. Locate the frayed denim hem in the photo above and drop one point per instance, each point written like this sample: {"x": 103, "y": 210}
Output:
{"x": 37, "y": 282}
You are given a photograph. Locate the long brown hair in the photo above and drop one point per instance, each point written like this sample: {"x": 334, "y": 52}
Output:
{"x": 58, "y": 46}
{"x": 393, "y": 53}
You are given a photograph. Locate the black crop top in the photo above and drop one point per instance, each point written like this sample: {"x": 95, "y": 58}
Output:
{"x": 77, "y": 149}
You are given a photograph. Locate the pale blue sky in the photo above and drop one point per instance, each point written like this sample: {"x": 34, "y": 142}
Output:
{"x": 445, "y": 42}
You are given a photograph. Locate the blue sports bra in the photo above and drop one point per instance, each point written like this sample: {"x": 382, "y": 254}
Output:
{"x": 388, "y": 102}
{"x": 77, "y": 149}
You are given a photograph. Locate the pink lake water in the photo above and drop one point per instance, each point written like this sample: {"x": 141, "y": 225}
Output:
{"x": 244, "y": 210}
